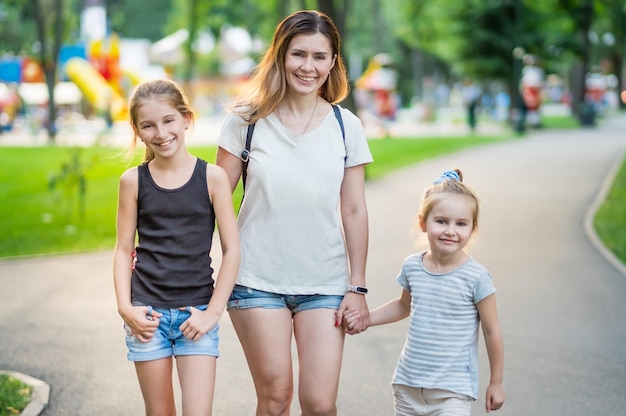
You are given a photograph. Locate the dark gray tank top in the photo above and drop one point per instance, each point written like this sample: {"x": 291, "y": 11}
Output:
{"x": 175, "y": 229}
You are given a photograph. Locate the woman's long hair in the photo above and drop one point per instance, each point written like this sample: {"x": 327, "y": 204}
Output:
{"x": 269, "y": 79}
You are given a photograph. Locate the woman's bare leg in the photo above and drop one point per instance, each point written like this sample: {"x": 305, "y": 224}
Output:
{"x": 320, "y": 351}
{"x": 265, "y": 335}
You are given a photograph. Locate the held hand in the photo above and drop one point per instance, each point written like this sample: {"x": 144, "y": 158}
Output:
{"x": 134, "y": 256}
{"x": 353, "y": 303}
{"x": 350, "y": 319}
{"x": 494, "y": 398}
{"x": 142, "y": 322}
{"x": 199, "y": 323}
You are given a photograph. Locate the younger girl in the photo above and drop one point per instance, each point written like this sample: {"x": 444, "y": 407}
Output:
{"x": 169, "y": 301}
{"x": 447, "y": 294}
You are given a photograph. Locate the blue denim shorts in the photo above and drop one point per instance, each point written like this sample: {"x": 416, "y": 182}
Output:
{"x": 244, "y": 297}
{"x": 169, "y": 341}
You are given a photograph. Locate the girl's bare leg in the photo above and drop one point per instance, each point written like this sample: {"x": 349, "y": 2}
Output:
{"x": 155, "y": 380}
{"x": 197, "y": 383}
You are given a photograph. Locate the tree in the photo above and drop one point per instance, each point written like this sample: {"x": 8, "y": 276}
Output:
{"x": 611, "y": 25}
{"x": 17, "y": 29}
{"x": 47, "y": 15}
{"x": 39, "y": 28}
{"x": 137, "y": 19}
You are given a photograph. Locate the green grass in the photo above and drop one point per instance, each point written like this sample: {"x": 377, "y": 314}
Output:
{"x": 39, "y": 219}
{"x": 610, "y": 220}
{"x": 14, "y": 395}
{"x": 392, "y": 154}
{"x": 559, "y": 122}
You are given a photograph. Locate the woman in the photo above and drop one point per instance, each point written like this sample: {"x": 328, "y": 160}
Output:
{"x": 298, "y": 268}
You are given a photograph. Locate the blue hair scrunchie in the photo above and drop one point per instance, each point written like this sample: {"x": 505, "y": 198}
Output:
{"x": 448, "y": 175}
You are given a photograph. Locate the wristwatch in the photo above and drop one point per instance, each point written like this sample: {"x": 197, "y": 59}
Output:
{"x": 357, "y": 289}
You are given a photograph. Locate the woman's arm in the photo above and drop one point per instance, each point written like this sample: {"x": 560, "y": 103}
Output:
{"x": 231, "y": 164}
{"x": 356, "y": 228}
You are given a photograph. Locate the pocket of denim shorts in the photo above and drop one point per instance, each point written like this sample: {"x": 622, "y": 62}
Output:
{"x": 238, "y": 292}
{"x": 130, "y": 337}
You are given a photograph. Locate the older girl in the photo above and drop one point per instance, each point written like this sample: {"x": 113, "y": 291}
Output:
{"x": 169, "y": 300}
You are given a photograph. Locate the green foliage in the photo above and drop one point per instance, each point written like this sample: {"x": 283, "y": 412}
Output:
{"x": 69, "y": 186}
{"x": 14, "y": 395}
{"x": 136, "y": 19}
{"x": 610, "y": 220}
{"x": 17, "y": 29}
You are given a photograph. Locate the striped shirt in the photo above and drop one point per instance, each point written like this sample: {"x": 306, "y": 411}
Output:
{"x": 441, "y": 348}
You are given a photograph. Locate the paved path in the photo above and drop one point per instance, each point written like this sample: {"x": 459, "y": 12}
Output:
{"x": 562, "y": 305}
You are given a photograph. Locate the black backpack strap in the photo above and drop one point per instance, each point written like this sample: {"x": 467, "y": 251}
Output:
{"x": 343, "y": 130}
{"x": 245, "y": 155}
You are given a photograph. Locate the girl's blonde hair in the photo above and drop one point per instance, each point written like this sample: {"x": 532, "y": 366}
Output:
{"x": 158, "y": 89}
{"x": 269, "y": 79}
{"x": 450, "y": 182}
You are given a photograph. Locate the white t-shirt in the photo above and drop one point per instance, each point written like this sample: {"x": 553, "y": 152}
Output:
{"x": 289, "y": 223}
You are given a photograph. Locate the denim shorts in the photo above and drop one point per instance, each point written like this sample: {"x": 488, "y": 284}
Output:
{"x": 244, "y": 297}
{"x": 169, "y": 341}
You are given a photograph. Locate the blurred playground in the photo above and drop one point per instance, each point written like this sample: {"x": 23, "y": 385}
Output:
{"x": 96, "y": 74}
{"x": 98, "y": 71}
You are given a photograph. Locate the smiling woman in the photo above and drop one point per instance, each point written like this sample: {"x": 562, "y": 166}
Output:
{"x": 308, "y": 157}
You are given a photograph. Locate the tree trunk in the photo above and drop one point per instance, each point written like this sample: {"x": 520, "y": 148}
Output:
{"x": 579, "y": 88}
{"x": 618, "y": 53}
{"x": 338, "y": 12}
{"x": 189, "y": 52}
{"x": 49, "y": 61}
{"x": 618, "y": 66}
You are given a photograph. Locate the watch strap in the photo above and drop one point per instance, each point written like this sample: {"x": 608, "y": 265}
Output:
{"x": 357, "y": 289}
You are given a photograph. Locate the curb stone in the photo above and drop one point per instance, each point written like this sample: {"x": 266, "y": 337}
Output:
{"x": 40, "y": 395}
{"x": 609, "y": 256}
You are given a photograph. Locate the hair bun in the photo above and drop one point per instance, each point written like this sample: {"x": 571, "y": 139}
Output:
{"x": 449, "y": 175}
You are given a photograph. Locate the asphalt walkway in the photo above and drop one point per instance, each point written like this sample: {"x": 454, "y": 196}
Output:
{"x": 561, "y": 302}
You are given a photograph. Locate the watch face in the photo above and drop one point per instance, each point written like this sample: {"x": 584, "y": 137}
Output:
{"x": 357, "y": 289}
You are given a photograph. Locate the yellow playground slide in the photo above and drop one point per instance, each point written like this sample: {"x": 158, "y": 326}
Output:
{"x": 96, "y": 89}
